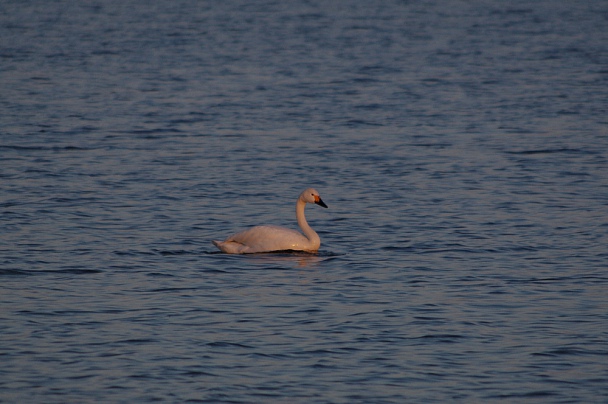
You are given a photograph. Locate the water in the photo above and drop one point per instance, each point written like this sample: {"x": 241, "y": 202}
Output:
{"x": 461, "y": 148}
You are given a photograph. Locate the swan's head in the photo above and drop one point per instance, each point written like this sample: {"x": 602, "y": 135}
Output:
{"x": 311, "y": 195}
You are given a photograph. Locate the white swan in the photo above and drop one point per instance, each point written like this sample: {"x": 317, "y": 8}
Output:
{"x": 273, "y": 238}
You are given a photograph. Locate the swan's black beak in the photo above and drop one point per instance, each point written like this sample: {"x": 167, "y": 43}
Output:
{"x": 320, "y": 202}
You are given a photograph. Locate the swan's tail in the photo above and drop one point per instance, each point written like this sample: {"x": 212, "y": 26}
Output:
{"x": 231, "y": 247}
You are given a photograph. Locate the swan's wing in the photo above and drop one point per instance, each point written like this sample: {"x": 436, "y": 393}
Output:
{"x": 230, "y": 247}
{"x": 270, "y": 238}
{"x": 264, "y": 233}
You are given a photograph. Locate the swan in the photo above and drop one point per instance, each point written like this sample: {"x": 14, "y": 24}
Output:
{"x": 269, "y": 238}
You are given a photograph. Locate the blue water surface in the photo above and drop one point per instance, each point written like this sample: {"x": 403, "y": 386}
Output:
{"x": 461, "y": 147}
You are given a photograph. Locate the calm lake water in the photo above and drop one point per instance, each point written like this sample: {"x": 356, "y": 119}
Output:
{"x": 462, "y": 148}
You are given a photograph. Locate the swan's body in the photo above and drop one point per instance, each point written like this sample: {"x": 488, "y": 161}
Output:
{"x": 274, "y": 238}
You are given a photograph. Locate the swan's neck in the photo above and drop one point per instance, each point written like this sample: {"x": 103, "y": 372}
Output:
{"x": 310, "y": 234}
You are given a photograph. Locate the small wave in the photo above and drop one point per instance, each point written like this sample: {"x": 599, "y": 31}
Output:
{"x": 135, "y": 341}
{"x": 224, "y": 344}
{"x": 441, "y": 338}
{"x": 75, "y": 271}
{"x": 172, "y": 289}
{"x": 437, "y": 145}
{"x": 550, "y": 151}
{"x": 14, "y": 272}
{"x": 160, "y": 275}
{"x": 72, "y": 271}
{"x": 577, "y": 351}
{"x": 41, "y": 148}
{"x": 524, "y": 395}
{"x": 197, "y": 373}
{"x": 174, "y": 252}
{"x": 360, "y": 122}
{"x": 134, "y": 253}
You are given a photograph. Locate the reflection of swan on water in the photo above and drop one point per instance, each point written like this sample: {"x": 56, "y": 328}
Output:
{"x": 273, "y": 238}
{"x": 293, "y": 259}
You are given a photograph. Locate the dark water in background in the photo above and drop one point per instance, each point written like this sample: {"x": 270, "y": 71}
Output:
{"x": 461, "y": 148}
